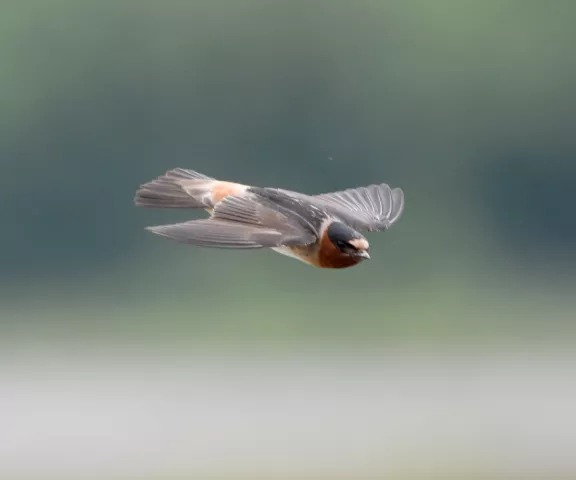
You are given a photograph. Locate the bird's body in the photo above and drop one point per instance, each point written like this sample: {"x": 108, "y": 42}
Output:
{"x": 320, "y": 230}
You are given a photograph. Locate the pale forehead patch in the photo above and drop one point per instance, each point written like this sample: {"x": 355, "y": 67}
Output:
{"x": 359, "y": 243}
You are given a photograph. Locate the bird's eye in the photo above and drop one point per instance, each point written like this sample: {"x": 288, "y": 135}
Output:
{"x": 342, "y": 244}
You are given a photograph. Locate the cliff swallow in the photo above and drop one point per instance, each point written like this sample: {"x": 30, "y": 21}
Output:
{"x": 321, "y": 230}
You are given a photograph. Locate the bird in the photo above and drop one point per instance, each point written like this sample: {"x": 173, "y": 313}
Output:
{"x": 324, "y": 230}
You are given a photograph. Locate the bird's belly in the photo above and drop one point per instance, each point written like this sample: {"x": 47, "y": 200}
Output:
{"x": 299, "y": 254}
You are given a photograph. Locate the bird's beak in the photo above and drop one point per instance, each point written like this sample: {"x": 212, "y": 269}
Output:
{"x": 363, "y": 254}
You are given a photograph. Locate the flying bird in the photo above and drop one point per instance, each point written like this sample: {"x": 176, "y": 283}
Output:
{"x": 323, "y": 230}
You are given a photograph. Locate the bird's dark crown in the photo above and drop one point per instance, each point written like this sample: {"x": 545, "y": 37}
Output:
{"x": 346, "y": 239}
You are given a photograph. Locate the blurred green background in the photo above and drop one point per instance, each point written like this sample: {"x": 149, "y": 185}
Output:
{"x": 469, "y": 106}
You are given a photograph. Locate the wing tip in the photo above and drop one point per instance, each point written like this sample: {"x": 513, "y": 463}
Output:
{"x": 397, "y": 204}
{"x": 157, "y": 230}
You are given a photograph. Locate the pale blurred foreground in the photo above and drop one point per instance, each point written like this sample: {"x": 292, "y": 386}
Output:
{"x": 393, "y": 413}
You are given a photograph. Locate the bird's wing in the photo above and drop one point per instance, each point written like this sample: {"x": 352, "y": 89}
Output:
{"x": 371, "y": 208}
{"x": 239, "y": 222}
{"x": 219, "y": 234}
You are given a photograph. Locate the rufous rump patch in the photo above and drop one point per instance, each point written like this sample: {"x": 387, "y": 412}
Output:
{"x": 222, "y": 189}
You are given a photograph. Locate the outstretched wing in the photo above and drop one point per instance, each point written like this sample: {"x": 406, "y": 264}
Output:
{"x": 219, "y": 234}
{"x": 239, "y": 222}
{"x": 371, "y": 208}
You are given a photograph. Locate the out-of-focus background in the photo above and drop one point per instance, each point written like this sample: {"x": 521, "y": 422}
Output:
{"x": 452, "y": 352}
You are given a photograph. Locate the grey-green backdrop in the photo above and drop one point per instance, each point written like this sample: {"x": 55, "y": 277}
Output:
{"x": 468, "y": 106}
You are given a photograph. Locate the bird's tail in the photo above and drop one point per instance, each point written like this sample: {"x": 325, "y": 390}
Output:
{"x": 177, "y": 188}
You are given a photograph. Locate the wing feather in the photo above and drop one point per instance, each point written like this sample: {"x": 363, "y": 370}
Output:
{"x": 249, "y": 209}
{"x": 219, "y": 234}
{"x": 371, "y": 208}
{"x": 239, "y": 221}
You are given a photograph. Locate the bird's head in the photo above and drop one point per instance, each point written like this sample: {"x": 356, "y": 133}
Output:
{"x": 348, "y": 241}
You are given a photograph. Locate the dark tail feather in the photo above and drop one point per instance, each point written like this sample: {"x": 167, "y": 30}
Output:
{"x": 178, "y": 188}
